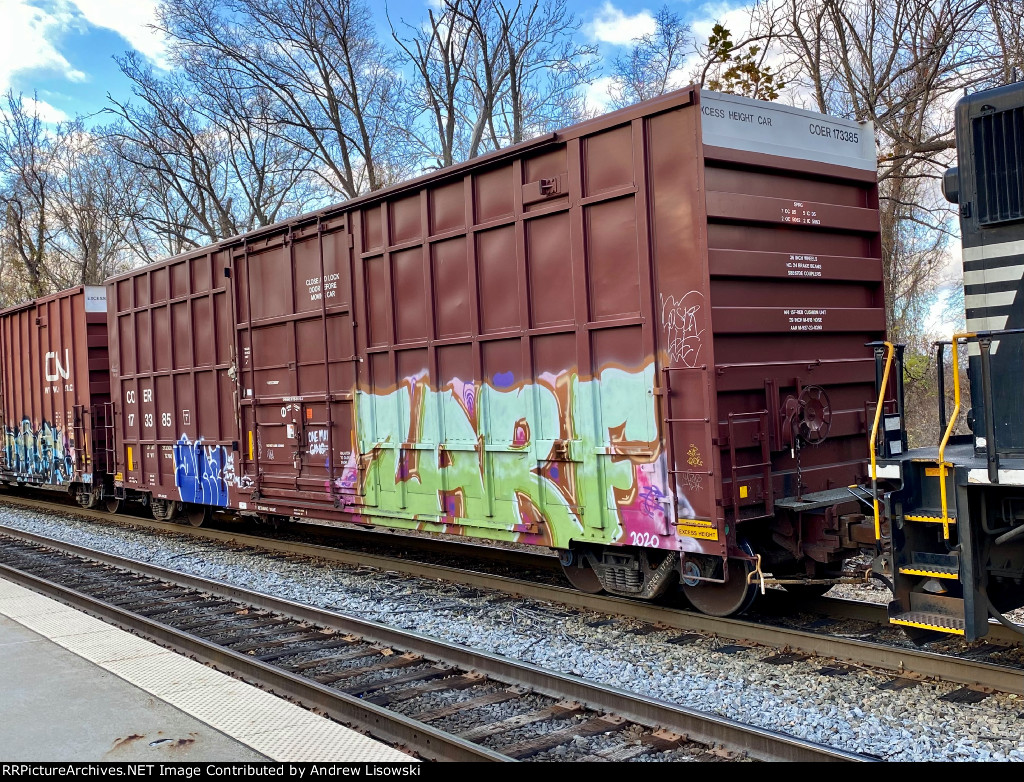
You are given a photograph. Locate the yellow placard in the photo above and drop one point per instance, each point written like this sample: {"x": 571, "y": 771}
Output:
{"x": 931, "y": 472}
{"x": 697, "y": 530}
{"x": 118, "y": 476}
{"x": 250, "y": 446}
{"x": 743, "y": 492}
{"x": 130, "y": 467}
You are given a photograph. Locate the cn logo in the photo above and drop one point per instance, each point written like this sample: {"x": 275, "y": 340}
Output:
{"x": 60, "y": 370}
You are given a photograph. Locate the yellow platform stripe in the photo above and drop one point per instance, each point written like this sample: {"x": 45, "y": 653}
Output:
{"x": 918, "y": 572}
{"x": 949, "y": 630}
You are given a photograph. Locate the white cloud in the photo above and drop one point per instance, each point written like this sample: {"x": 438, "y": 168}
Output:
{"x": 614, "y": 26}
{"x": 47, "y": 112}
{"x": 596, "y": 95}
{"x": 130, "y": 20}
{"x": 735, "y": 18}
{"x": 26, "y": 42}
{"x": 31, "y": 34}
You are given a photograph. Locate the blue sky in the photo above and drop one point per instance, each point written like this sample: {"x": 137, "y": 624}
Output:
{"x": 63, "y": 49}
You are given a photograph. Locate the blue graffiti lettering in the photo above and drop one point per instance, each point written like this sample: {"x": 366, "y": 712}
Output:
{"x": 43, "y": 455}
{"x": 200, "y": 471}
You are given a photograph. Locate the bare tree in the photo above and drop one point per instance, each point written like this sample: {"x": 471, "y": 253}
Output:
{"x": 26, "y": 155}
{"x": 1006, "y": 22}
{"x": 440, "y": 121}
{"x": 655, "y": 63}
{"x": 334, "y": 86}
{"x": 487, "y": 74}
{"x": 89, "y": 197}
{"x": 63, "y": 197}
{"x": 271, "y": 170}
{"x": 546, "y": 68}
{"x": 209, "y": 155}
{"x": 169, "y": 143}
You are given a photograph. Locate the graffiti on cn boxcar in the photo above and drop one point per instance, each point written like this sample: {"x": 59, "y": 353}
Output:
{"x": 44, "y": 454}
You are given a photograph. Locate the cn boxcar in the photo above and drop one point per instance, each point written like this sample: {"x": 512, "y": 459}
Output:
{"x": 639, "y": 341}
{"x": 55, "y": 394}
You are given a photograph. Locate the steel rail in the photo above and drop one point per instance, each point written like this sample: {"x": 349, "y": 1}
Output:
{"x": 758, "y": 743}
{"x": 383, "y": 724}
{"x": 899, "y": 660}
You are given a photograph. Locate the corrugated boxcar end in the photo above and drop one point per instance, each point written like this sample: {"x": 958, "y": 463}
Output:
{"x": 54, "y": 376}
{"x": 793, "y": 291}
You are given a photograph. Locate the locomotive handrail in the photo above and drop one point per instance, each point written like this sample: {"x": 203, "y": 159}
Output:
{"x": 890, "y": 351}
{"x": 949, "y": 431}
{"x": 940, "y": 358}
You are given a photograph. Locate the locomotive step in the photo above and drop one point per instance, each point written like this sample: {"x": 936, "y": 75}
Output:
{"x": 935, "y": 571}
{"x": 927, "y": 563}
{"x": 929, "y": 516}
{"x": 940, "y": 622}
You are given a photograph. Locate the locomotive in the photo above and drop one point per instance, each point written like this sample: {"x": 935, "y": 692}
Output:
{"x": 951, "y": 517}
{"x": 644, "y": 341}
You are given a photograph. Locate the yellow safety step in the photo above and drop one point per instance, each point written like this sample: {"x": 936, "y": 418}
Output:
{"x": 931, "y": 571}
{"x": 928, "y": 621}
{"x": 931, "y": 519}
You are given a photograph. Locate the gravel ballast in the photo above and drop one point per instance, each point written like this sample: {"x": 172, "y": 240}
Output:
{"x": 848, "y": 712}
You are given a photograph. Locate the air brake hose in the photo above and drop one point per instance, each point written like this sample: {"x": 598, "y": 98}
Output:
{"x": 1007, "y": 536}
{"x": 999, "y": 617}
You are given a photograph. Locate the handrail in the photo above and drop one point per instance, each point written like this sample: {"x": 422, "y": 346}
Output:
{"x": 949, "y": 430}
{"x": 874, "y": 435}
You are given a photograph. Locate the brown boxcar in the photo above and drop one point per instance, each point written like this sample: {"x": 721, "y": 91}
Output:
{"x": 639, "y": 340}
{"x": 58, "y": 421}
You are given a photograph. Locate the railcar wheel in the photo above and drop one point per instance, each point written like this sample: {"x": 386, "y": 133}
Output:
{"x": 86, "y": 497}
{"x": 163, "y": 510}
{"x": 732, "y": 597}
{"x": 112, "y": 504}
{"x": 579, "y": 574}
{"x": 197, "y": 515}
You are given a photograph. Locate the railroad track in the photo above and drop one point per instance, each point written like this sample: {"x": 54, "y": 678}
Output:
{"x": 401, "y": 687}
{"x": 767, "y": 632}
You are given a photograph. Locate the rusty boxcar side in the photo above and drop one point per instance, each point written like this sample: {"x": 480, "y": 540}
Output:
{"x": 621, "y": 340}
{"x": 56, "y": 392}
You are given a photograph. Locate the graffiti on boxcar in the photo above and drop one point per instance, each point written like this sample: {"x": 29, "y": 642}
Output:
{"x": 317, "y": 442}
{"x": 682, "y": 332}
{"x": 533, "y": 457}
{"x": 201, "y": 471}
{"x": 45, "y": 453}
{"x": 694, "y": 481}
{"x": 651, "y": 499}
